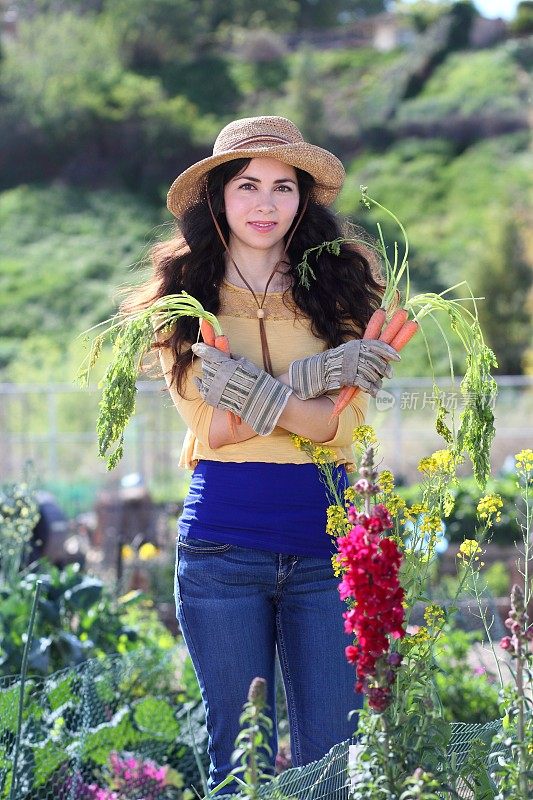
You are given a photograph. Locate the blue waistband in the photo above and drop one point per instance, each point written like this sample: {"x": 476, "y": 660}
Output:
{"x": 279, "y": 507}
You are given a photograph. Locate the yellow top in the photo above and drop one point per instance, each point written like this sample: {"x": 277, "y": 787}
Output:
{"x": 289, "y": 337}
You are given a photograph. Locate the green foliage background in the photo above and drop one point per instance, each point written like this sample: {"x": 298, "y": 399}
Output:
{"x": 103, "y": 102}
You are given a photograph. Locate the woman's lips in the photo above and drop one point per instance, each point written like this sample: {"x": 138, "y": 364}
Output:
{"x": 263, "y": 227}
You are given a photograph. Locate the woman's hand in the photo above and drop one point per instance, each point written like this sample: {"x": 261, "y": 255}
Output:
{"x": 238, "y": 385}
{"x": 360, "y": 362}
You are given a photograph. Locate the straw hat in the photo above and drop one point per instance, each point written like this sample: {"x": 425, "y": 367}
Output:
{"x": 260, "y": 137}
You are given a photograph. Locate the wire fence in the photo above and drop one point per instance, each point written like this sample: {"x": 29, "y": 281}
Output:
{"x": 114, "y": 729}
{"x": 105, "y": 725}
{"x": 53, "y": 427}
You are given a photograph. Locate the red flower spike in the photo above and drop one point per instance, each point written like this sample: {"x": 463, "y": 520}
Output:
{"x": 371, "y": 579}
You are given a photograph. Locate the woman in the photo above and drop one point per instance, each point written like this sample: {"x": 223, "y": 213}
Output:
{"x": 254, "y": 570}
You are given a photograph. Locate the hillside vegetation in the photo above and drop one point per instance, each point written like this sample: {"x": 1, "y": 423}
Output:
{"x": 93, "y": 138}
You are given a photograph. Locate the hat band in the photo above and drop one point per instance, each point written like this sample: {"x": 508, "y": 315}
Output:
{"x": 259, "y": 139}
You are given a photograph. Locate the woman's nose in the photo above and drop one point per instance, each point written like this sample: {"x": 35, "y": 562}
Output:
{"x": 266, "y": 202}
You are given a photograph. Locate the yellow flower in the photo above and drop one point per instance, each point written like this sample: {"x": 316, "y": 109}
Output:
{"x": 421, "y": 637}
{"x": 469, "y": 550}
{"x": 322, "y": 455}
{"x": 427, "y": 464}
{"x": 395, "y": 504}
{"x": 338, "y": 562}
{"x": 148, "y": 551}
{"x": 337, "y": 524}
{"x": 364, "y": 435}
{"x": 488, "y": 505}
{"x": 433, "y": 615}
{"x": 524, "y": 460}
{"x": 386, "y": 481}
{"x": 431, "y": 522}
{"x": 440, "y": 462}
{"x": 128, "y": 553}
{"x": 300, "y": 442}
{"x": 349, "y": 496}
{"x": 414, "y": 512}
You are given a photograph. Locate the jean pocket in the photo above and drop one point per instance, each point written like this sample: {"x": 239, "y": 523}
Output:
{"x": 191, "y": 544}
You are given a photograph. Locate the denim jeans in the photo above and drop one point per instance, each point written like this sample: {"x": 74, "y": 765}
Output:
{"x": 235, "y": 606}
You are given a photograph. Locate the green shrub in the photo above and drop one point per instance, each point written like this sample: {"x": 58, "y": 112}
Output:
{"x": 467, "y": 694}
{"x": 466, "y": 84}
{"x": 77, "y": 619}
{"x": 497, "y": 579}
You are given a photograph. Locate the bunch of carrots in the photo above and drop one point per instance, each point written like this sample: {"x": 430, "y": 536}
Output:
{"x": 397, "y": 332}
{"x": 132, "y": 336}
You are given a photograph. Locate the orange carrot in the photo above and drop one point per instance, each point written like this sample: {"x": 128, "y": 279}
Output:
{"x": 403, "y": 331}
{"x": 208, "y": 332}
{"x": 375, "y": 324}
{"x": 398, "y": 319}
{"x": 221, "y": 343}
{"x": 405, "y": 335}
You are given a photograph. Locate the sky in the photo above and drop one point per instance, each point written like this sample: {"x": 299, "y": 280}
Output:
{"x": 497, "y": 8}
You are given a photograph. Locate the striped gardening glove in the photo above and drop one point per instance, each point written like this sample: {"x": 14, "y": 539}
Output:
{"x": 359, "y": 362}
{"x": 238, "y": 385}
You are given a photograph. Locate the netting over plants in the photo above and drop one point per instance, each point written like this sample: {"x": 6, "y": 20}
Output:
{"x": 328, "y": 778}
{"x": 112, "y": 725}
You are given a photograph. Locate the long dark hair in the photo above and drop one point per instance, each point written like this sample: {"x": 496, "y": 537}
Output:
{"x": 346, "y": 290}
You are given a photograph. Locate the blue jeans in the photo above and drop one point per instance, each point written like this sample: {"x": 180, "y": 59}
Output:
{"x": 235, "y": 606}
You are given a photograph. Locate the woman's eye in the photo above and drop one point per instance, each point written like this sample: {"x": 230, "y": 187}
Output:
{"x": 285, "y": 187}
{"x": 247, "y": 186}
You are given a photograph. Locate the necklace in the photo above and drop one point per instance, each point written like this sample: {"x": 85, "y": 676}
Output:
{"x": 261, "y": 311}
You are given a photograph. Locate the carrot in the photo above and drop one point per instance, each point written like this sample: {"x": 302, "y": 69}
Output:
{"x": 208, "y": 332}
{"x": 405, "y": 335}
{"x": 398, "y": 319}
{"x": 375, "y": 324}
{"x": 221, "y": 343}
{"x": 402, "y": 331}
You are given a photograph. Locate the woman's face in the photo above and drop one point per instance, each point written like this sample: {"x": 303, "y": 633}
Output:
{"x": 261, "y": 203}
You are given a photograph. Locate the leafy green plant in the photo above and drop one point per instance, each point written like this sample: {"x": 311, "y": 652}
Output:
{"x": 93, "y": 711}
{"x": 467, "y": 694}
{"x": 77, "y": 619}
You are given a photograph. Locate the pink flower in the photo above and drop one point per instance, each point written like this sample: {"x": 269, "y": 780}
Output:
{"x": 371, "y": 579}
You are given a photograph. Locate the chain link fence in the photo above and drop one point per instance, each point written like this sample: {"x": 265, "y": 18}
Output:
{"x": 53, "y": 426}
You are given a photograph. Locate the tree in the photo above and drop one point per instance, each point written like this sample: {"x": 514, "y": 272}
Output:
{"x": 505, "y": 280}
{"x": 306, "y": 99}
{"x": 328, "y": 13}
{"x": 523, "y": 21}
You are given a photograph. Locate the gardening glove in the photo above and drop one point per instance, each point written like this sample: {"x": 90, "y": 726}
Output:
{"x": 359, "y": 362}
{"x": 238, "y": 385}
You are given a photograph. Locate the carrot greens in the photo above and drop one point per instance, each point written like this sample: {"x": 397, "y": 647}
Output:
{"x": 132, "y": 336}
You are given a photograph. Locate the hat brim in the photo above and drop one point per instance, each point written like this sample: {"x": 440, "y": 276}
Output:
{"x": 326, "y": 169}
